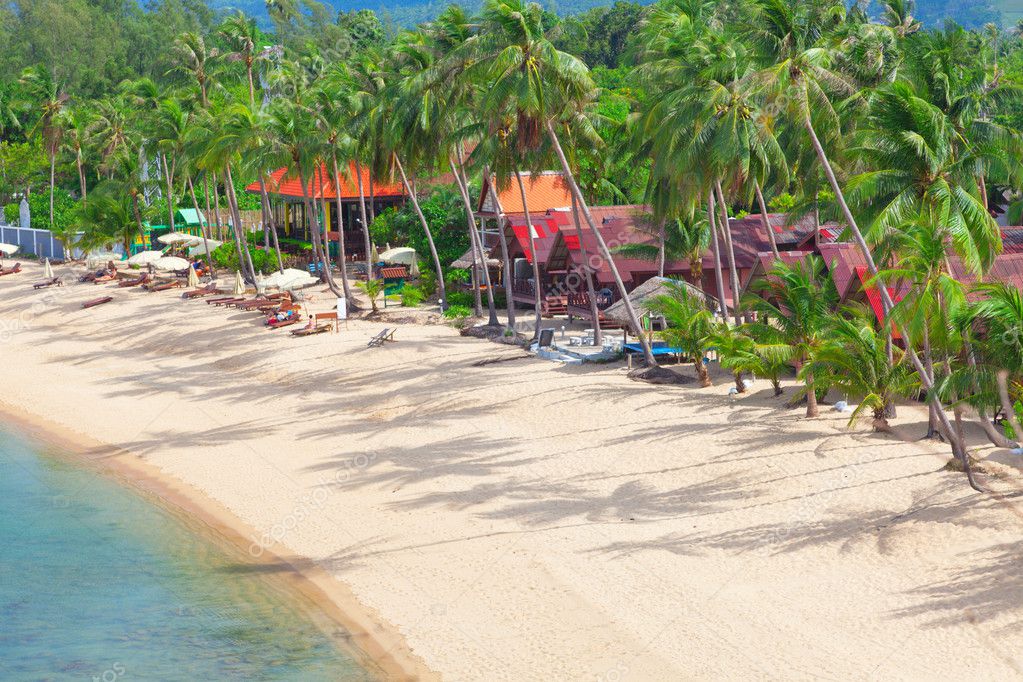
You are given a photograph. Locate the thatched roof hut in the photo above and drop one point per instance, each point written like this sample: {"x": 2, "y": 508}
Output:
{"x": 466, "y": 260}
{"x": 653, "y": 287}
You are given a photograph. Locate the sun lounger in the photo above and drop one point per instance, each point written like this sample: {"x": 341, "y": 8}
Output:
{"x": 274, "y": 323}
{"x": 12, "y": 271}
{"x": 129, "y": 283}
{"x": 311, "y": 331}
{"x": 208, "y": 290}
{"x": 225, "y": 301}
{"x": 53, "y": 282}
{"x": 162, "y": 286}
{"x": 381, "y": 338}
{"x": 214, "y": 301}
{"x": 97, "y": 301}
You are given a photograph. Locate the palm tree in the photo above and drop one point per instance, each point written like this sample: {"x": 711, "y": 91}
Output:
{"x": 195, "y": 60}
{"x": 690, "y": 325}
{"x": 855, "y": 357}
{"x": 242, "y": 35}
{"x": 113, "y": 214}
{"x": 799, "y": 300}
{"x": 681, "y": 239}
{"x": 50, "y": 101}
{"x": 170, "y": 127}
{"x": 537, "y": 85}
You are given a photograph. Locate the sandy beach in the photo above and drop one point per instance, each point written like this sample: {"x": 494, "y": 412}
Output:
{"x": 521, "y": 519}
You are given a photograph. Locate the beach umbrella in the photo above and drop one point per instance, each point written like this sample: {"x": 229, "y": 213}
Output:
{"x": 171, "y": 263}
{"x": 145, "y": 257}
{"x": 193, "y": 278}
{"x": 47, "y": 269}
{"x": 176, "y": 238}
{"x": 101, "y": 258}
{"x": 200, "y": 248}
{"x": 239, "y": 283}
{"x": 8, "y": 249}
{"x": 290, "y": 279}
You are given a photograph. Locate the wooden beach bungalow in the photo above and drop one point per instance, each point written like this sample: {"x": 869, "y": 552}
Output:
{"x": 287, "y": 204}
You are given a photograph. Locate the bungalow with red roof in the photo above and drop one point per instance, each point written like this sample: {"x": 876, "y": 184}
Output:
{"x": 287, "y": 201}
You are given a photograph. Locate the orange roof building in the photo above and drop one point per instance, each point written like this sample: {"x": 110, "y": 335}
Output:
{"x": 545, "y": 192}
{"x": 287, "y": 202}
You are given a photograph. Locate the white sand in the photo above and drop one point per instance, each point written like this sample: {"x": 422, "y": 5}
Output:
{"x": 525, "y": 520}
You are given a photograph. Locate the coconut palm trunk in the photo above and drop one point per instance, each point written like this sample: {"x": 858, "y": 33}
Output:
{"x": 426, "y": 229}
{"x": 317, "y": 241}
{"x": 53, "y": 179}
{"x": 342, "y": 252}
{"x": 605, "y": 253}
{"x": 537, "y": 297}
{"x": 202, "y": 228}
{"x": 81, "y": 176}
{"x": 661, "y": 255}
{"x": 719, "y": 278}
{"x": 270, "y": 222}
{"x": 216, "y": 208}
{"x": 241, "y": 242}
{"x": 475, "y": 240}
{"x": 506, "y": 260}
{"x": 591, "y": 293}
{"x": 365, "y": 222}
{"x": 958, "y": 448}
{"x": 733, "y": 273}
{"x": 168, "y": 174}
{"x": 766, "y": 220}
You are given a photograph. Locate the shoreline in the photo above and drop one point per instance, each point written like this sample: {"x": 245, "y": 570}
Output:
{"x": 532, "y": 521}
{"x": 372, "y": 642}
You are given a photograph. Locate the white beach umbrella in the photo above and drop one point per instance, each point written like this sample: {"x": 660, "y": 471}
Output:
{"x": 289, "y": 279}
{"x": 8, "y": 249}
{"x": 145, "y": 257}
{"x": 176, "y": 238}
{"x": 101, "y": 258}
{"x": 200, "y": 248}
{"x": 171, "y": 263}
{"x": 47, "y": 269}
{"x": 239, "y": 283}
{"x": 193, "y": 277}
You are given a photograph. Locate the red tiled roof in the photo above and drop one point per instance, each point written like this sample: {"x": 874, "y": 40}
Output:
{"x": 321, "y": 185}
{"x": 874, "y": 296}
{"x": 544, "y": 191}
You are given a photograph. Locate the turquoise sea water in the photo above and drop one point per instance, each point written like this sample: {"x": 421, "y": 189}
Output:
{"x": 97, "y": 582}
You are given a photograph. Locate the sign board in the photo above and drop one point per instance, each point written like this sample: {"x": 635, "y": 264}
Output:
{"x": 342, "y": 308}
{"x": 546, "y": 338}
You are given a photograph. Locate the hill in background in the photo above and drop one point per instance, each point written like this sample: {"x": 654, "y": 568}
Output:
{"x": 969, "y": 13}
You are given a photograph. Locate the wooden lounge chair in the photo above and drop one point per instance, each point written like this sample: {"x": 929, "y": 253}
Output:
{"x": 311, "y": 331}
{"x": 138, "y": 281}
{"x": 274, "y": 323}
{"x": 97, "y": 301}
{"x": 214, "y": 301}
{"x": 162, "y": 286}
{"x": 11, "y": 271}
{"x": 225, "y": 301}
{"x": 381, "y": 338}
{"x": 53, "y": 282}
{"x": 207, "y": 290}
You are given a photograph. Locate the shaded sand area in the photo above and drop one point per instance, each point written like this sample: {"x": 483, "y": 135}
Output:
{"x": 525, "y": 520}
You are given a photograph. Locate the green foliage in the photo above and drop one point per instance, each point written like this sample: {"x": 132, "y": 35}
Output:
{"x": 461, "y": 298}
{"x": 457, "y": 312}
{"x": 411, "y": 297}
{"x": 373, "y": 289}
{"x": 12, "y": 213}
{"x": 64, "y": 209}
{"x": 225, "y": 256}
{"x": 445, "y": 213}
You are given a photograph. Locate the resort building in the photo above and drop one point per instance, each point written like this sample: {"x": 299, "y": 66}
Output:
{"x": 287, "y": 203}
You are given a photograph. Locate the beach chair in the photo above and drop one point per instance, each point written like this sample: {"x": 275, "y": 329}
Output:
{"x": 208, "y": 290}
{"x": 162, "y": 286}
{"x": 311, "y": 331}
{"x": 129, "y": 283}
{"x": 97, "y": 301}
{"x": 12, "y": 271}
{"x": 382, "y": 338}
{"x": 53, "y": 282}
{"x": 225, "y": 301}
{"x": 274, "y": 323}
